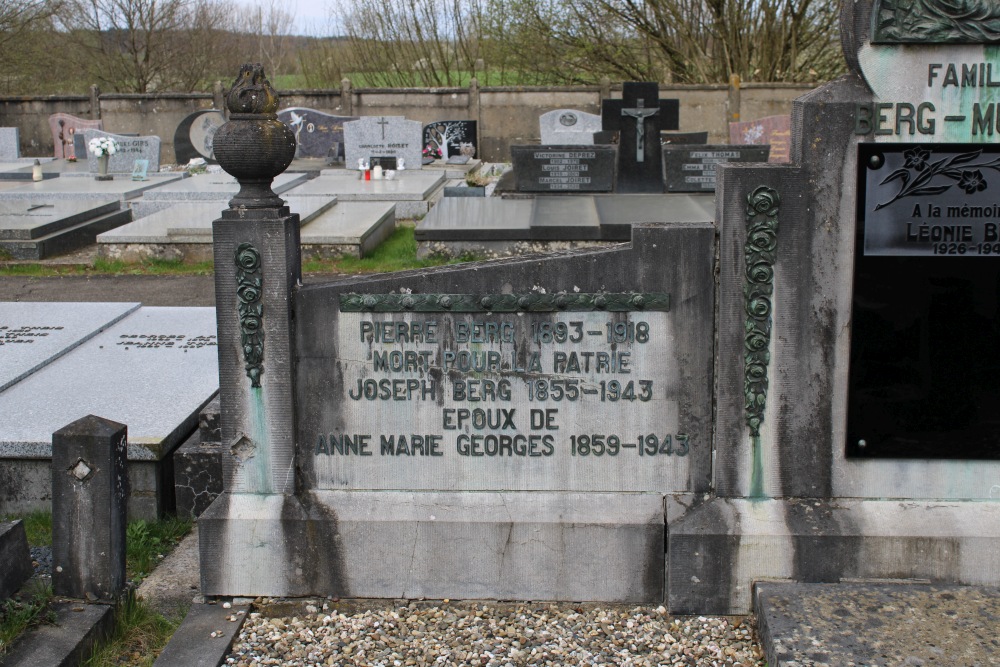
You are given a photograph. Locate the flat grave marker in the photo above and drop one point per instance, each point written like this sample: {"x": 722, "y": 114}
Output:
{"x": 33, "y": 335}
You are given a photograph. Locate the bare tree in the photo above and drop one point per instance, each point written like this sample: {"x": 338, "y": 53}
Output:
{"x": 269, "y": 25}
{"x": 27, "y": 34}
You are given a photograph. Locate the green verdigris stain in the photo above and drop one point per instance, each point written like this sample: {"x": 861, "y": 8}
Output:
{"x": 760, "y": 252}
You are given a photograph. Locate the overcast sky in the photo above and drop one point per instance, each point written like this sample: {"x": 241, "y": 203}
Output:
{"x": 311, "y": 16}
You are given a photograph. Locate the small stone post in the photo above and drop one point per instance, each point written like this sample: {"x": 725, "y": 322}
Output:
{"x": 346, "y": 97}
{"x": 474, "y": 107}
{"x": 733, "y": 103}
{"x": 218, "y": 97}
{"x": 95, "y": 102}
{"x": 90, "y": 491}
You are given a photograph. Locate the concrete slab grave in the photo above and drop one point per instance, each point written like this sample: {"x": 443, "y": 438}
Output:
{"x": 33, "y": 230}
{"x": 121, "y": 188}
{"x": 410, "y": 190}
{"x": 152, "y": 370}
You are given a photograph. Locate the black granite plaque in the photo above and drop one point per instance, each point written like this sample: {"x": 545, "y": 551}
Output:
{"x": 563, "y": 168}
{"x": 315, "y": 132}
{"x": 639, "y": 117}
{"x": 384, "y": 161}
{"x": 195, "y": 135}
{"x": 684, "y": 137}
{"x": 444, "y": 138}
{"x": 692, "y": 168}
{"x": 926, "y": 303}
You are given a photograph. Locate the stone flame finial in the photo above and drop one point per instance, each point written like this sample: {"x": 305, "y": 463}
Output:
{"x": 254, "y": 146}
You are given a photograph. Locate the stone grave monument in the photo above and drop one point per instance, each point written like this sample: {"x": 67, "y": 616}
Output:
{"x": 493, "y": 425}
{"x": 130, "y": 149}
{"x": 568, "y": 127}
{"x": 638, "y": 118}
{"x": 64, "y": 128}
{"x": 560, "y": 168}
{"x": 194, "y": 135}
{"x": 393, "y": 140}
{"x": 317, "y": 134}
{"x": 447, "y": 138}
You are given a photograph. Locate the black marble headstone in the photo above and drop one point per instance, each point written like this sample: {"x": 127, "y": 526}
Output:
{"x": 684, "y": 137}
{"x": 315, "y": 132}
{"x": 926, "y": 303}
{"x": 195, "y": 135}
{"x": 691, "y": 168}
{"x": 638, "y": 117}
{"x": 450, "y": 133}
{"x": 563, "y": 168}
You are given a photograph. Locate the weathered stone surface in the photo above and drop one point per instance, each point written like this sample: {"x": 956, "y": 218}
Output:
{"x": 10, "y": 147}
{"x": 15, "y": 559}
{"x": 204, "y": 638}
{"x": 89, "y": 506}
{"x": 197, "y": 475}
{"x": 130, "y": 149}
{"x": 67, "y": 641}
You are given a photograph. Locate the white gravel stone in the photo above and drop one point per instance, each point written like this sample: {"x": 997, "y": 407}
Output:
{"x": 495, "y": 635}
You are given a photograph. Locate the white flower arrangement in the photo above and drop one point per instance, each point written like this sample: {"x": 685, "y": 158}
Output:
{"x": 102, "y": 146}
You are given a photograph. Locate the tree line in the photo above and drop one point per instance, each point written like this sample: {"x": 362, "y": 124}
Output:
{"x": 63, "y": 46}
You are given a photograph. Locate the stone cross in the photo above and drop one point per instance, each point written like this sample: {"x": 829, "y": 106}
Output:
{"x": 383, "y": 122}
{"x": 638, "y": 117}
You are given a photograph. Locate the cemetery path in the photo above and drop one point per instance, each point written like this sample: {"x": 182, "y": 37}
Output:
{"x": 147, "y": 290}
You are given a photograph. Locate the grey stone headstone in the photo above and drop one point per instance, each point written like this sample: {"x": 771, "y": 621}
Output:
{"x": 90, "y": 492}
{"x": 130, "y": 149}
{"x": 568, "y": 127}
{"x": 15, "y": 559}
{"x": 447, "y": 136}
{"x": 33, "y": 335}
{"x": 64, "y": 128}
{"x": 383, "y": 136}
{"x": 563, "y": 168}
{"x": 691, "y": 168}
{"x": 10, "y": 148}
{"x": 316, "y": 133}
{"x": 195, "y": 135}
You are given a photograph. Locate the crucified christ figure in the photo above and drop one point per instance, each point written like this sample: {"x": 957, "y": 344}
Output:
{"x": 640, "y": 114}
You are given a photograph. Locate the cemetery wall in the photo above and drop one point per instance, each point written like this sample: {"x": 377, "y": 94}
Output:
{"x": 506, "y": 115}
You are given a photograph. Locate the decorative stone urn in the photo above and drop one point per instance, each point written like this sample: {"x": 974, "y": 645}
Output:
{"x": 254, "y": 146}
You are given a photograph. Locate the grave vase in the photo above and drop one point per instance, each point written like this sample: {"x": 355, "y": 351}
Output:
{"x": 102, "y": 164}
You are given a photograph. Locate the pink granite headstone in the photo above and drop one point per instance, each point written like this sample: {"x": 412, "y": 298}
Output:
{"x": 64, "y": 126}
{"x": 773, "y": 130}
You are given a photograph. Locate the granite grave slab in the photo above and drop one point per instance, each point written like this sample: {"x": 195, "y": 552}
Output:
{"x": 121, "y": 189}
{"x": 410, "y": 190}
{"x": 27, "y": 220}
{"x": 130, "y": 149}
{"x": 773, "y": 131}
{"x": 447, "y": 136}
{"x": 64, "y": 128}
{"x": 639, "y": 117}
{"x": 317, "y": 134}
{"x": 215, "y": 187}
{"x": 563, "y": 168}
{"x": 33, "y": 335}
{"x": 568, "y": 127}
{"x": 350, "y": 228}
{"x": 153, "y": 370}
{"x": 194, "y": 136}
{"x": 692, "y": 168}
{"x": 383, "y": 136}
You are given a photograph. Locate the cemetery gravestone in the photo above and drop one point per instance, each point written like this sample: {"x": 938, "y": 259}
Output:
{"x": 773, "y": 131}
{"x": 316, "y": 133}
{"x": 15, "y": 559}
{"x": 64, "y": 129}
{"x": 638, "y": 117}
{"x": 568, "y": 127}
{"x": 693, "y": 168}
{"x": 447, "y": 136}
{"x": 383, "y": 136}
{"x": 130, "y": 149}
{"x": 195, "y": 135}
{"x": 10, "y": 146}
{"x": 563, "y": 168}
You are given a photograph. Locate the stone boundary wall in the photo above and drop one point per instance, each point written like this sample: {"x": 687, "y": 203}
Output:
{"x": 507, "y": 115}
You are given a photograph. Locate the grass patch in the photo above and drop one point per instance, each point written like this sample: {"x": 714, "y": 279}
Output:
{"x": 150, "y": 267}
{"x": 139, "y": 635}
{"x": 396, "y": 253}
{"x": 147, "y": 543}
{"x": 37, "y": 526}
{"x": 22, "y": 612}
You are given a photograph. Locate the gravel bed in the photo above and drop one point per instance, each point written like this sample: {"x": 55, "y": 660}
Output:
{"x": 494, "y": 635}
{"x": 41, "y": 560}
